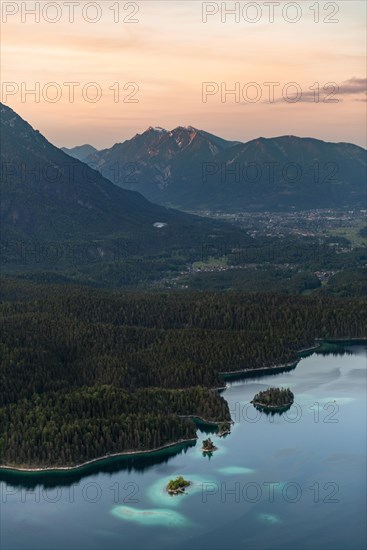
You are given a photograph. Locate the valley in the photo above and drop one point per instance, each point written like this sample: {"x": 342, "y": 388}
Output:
{"x": 183, "y": 284}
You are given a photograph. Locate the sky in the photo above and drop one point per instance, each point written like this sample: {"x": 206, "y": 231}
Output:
{"x": 173, "y": 63}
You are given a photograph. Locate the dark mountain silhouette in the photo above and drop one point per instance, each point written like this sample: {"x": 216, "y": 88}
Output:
{"x": 80, "y": 152}
{"x": 192, "y": 169}
{"x": 48, "y": 195}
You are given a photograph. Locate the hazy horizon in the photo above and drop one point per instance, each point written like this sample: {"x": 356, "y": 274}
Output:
{"x": 161, "y": 59}
{"x": 204, "y": 129}
{"x": 185, "y": 126}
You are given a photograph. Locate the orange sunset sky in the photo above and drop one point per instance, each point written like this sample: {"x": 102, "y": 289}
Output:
{"x": 169, "y": 52}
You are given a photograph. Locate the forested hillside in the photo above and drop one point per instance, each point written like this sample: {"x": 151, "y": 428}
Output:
{"x": 89, "y": 372}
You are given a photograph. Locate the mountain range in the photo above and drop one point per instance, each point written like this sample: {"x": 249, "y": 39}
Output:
{"x": 48, "y": 196}
{"x": 191, "y": 169}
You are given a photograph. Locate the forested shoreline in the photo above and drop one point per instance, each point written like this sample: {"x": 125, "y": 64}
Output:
{"x": 86, "y": 373}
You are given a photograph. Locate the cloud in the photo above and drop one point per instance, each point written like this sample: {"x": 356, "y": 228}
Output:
{"x": 354, "y": 86}
{"x": 330, "y": 92}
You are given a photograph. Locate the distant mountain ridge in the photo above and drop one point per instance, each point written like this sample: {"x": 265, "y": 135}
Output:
{"x": 47, "y": 193}
{"x": 80, "y": 152}
{"x": 189, "y": 168}
{"x": 50, "y": 197}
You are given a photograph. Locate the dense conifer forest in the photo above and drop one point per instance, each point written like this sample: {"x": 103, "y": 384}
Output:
{"x": 87, "y": 372}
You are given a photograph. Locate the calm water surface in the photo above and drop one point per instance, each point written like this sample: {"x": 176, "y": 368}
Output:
{"x": 296, "y": 480}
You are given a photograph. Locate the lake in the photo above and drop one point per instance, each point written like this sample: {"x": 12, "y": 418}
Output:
{"x": 296, "y": 480}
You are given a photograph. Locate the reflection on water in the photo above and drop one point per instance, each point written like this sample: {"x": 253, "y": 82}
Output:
{"x": 295, "y": 480}
{"x": 137, "y": 463}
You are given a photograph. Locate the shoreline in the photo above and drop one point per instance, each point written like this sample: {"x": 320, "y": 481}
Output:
{"x": 94, "y": 460}
{"x": 359, "y": 339}
{"x": 318, "y": 343}
{"x": 271, "y": 407}
{"x": 205, "y": 421}
{"x": 261, "y": 369}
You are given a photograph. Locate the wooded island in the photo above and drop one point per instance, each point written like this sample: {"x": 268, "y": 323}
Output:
{"x": 276, "y": 399}
{"x": 178, "y": 485}
{"x": 208, "y": 446}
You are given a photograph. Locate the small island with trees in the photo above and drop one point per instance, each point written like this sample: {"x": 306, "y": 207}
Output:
{"x": 224, "y": 429}
{"x": 273, "y": 399}
{"x": 177, "y": 486}
{"x": 208, "y": 446}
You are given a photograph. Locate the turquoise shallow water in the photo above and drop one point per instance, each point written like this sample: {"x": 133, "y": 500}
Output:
{"x": 287, "y": 481}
